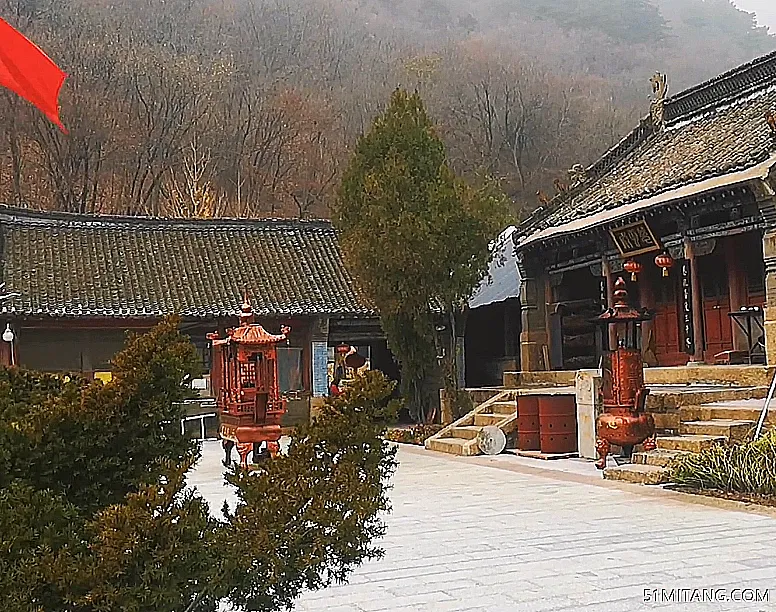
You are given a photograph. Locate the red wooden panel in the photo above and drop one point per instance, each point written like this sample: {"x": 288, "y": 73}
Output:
{"x": 667, "y": 337}
{"x": 718, "y": 326}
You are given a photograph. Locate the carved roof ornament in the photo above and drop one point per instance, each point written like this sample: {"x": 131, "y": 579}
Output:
{"x": 577, "y": 174}
{"x": 659, "y": 89}
{"x": 543, "y": 198}
{"x": 770, "y": 118}
{"x": 560, "y": 186}
{"x": 246, "y": 310}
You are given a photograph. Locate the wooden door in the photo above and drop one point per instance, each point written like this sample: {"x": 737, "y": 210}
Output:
{"x": 715, "y": 288}
{"x": 666, "y": 322}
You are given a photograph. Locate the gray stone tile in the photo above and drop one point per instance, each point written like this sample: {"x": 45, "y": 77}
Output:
{"x": 468, "y": 537}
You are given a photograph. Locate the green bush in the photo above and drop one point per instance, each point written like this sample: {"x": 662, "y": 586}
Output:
{"x": 96, "y": 516}
{"x": 748, "y": 468}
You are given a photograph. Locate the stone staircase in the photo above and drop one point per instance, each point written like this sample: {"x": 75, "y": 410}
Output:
{"x": 461, "y": 437}
{"x": 700, "y": 428}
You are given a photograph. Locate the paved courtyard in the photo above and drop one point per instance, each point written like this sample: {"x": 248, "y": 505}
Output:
{"x": 495, "y": 534}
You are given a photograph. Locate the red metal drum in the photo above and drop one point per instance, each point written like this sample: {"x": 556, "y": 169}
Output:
{"x": 528, "y": 423}
{"x": 558, "y": 423}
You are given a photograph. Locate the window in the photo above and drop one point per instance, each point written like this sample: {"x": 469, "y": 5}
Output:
{"x": 290, "y": 369}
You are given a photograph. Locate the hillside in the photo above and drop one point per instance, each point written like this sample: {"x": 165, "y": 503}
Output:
{"x": 249, "y": 107}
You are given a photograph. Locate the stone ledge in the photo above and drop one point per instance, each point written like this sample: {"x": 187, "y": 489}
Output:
{"x": 638, "y": 474}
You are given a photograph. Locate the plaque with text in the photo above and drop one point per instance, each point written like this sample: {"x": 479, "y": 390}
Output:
{"x": 634, "y": 239}
{"x": 320, "y": 369}
{"x": 687, "y": 324}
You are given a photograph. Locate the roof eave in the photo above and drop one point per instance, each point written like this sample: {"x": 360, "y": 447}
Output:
{"x": 760, "y": 171}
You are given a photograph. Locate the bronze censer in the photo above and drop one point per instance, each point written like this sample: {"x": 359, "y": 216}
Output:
{"x": 624, "y": 422}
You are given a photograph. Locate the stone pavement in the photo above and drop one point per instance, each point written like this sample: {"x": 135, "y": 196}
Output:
{"x": 500, "y": 535}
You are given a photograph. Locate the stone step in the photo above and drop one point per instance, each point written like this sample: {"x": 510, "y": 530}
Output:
{"x": 728, "y": 428}
{"x": 658, "y": 457}
{"x": 483, "y": 419}
{"x": 638, "y": 473}
{"x": 504, "y": 408}
{"x": 734, "y": 411}
{"x": 691, "y": 443}
{"x": 453, "y": 446}
{"x": 665, "y": 399}
{"x": 466, "y": 432}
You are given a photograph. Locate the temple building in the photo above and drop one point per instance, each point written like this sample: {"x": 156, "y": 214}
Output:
{"x": 684, "y": 209}
{"x": 79, "y": 283}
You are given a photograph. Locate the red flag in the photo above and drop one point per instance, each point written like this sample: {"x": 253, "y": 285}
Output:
{"x": 27, "y": 71}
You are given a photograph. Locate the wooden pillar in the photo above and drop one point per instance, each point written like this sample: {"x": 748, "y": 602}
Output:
{"x": 607, "y": 270}
{"x": 647, "y": 291}
{"x": 736, "y": 285}
{"x": 459, "y": 347}
{"x": 697, "y": 302}
{"x": 534, "y": 335}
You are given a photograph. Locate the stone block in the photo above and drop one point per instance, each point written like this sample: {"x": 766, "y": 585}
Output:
{"x": 588, "y": 387}
{"x": 589, "y": 406}
{"x": 511, "y": 380}
{"x": 770, "y": 338}
{"x": 691, "y": 443}
{"x": 666, "y": 420}
{"x": 736, "y": 430}
{"x": 657, "y": 457}
{"x": 446, "y": 407}
{"x": 638, "y": 474}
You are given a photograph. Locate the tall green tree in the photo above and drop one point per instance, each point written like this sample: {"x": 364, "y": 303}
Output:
{"x": 415, "y": 235}
{"x": 95, "y": 514}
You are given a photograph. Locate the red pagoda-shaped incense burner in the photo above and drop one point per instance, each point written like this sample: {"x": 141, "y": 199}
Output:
{"x": 624, "y": 422}
{"x": 244, "y": 376}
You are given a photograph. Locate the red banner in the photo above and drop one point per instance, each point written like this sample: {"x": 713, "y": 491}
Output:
{"x": 30, "y": 73}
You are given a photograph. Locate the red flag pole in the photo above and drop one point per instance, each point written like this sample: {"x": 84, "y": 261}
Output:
{"x": 30, "y": 73}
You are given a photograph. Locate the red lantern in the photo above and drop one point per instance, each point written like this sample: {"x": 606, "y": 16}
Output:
{"x": 343, "y": 349}
{"x": 665, "y": 261}
{"x": 634, "y": 267}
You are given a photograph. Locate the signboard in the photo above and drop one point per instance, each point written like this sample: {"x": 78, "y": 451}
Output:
{"x": 687, "y": 324}
{"x": 604, "y": 293}
{"x": 320, "y": 369}
{"x": 634, "y": 239}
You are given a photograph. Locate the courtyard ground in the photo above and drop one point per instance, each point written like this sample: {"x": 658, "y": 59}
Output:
{"x": 518, "y": 535}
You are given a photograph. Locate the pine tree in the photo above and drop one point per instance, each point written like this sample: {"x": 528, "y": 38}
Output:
{"x": 416, "y": 237}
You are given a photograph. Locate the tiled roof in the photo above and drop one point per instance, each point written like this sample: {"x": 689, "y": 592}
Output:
{"x": 77, "y": 265}
{"x": 711, "y": 130}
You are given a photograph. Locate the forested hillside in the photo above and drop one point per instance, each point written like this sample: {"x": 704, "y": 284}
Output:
{"x": 249, "y": 107}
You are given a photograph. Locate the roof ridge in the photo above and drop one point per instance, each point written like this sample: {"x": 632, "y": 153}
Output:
{"x": 20, "y": 214}
{"x": 732, "y": 84}
{"x": 594, "y": 172}
{"x": 736, "y": 83}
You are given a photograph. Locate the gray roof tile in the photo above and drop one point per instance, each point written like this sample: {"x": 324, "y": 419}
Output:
{"x": 78, "y": 265}
{"x": 711, "y": 130}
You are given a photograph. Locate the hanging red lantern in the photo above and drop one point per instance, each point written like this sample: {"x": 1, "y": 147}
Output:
{"x": 665, "y": 261}
{"x": 634, "y": 267}
{"x": 342, "y": 349}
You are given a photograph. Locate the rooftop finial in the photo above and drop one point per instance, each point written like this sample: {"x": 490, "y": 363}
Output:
{"x": 246, "y": 311}
{"x": 770, "y": 117}
{"x": 577, "y": 174}
{"x": 620, "y": 294}
{"x": 659, "y": 89}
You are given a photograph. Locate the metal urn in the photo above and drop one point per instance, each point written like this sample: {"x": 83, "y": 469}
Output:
{"x": 624, "y": 422}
